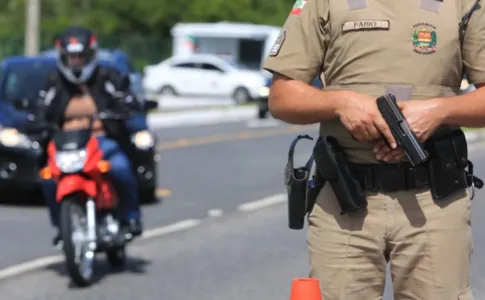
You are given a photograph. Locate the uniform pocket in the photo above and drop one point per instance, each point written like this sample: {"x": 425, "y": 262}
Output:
{"x": 466, "y": 294}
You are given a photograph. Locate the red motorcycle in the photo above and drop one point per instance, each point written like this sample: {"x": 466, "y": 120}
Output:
{"x": 89, "y": 210}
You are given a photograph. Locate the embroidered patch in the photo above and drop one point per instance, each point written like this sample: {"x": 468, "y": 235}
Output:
{"x": 278, "y": 43}
{"x": 298, "y": 7}
{"x": 365, "y": 25}
{"x": 424, "y": 38}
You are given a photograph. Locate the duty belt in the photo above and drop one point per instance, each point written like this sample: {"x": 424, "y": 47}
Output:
{"x": 391, "y": 178}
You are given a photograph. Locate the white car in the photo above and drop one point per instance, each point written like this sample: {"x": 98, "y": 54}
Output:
{"x": 202, "y": 75}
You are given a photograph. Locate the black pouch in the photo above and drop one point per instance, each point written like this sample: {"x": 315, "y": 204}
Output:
{"x": 333, "y": 166}
{"x": 299, "y": 186}
{"x": 449, "y": 159}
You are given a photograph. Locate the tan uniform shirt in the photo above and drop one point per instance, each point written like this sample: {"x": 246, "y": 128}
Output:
{"x": 408, "y": 48}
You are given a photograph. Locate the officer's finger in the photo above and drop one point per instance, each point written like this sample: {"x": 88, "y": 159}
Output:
{"x": 373, "y": 133}
{"x": 385, "y": 131}
{"x": 379, "y": 145}
{"x": 389, "y": 157}
{"x": 395, "y": 155}
{"x": 398, "y": 158}
{"x": 358, "y": 135}
{"x": 383, "y": 153}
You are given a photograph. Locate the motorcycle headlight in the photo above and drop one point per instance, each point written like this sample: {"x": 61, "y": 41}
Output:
{"x": 143, "y": 140}
{"x": 10, "y": 137}
{"x": 264, "y": 91}
{"x": 71, "y": 161}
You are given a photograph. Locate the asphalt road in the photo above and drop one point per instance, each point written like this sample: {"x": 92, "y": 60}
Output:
{"x": 230, "y": 251}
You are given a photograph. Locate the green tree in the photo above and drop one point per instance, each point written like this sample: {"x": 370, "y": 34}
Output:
{"x": 140, "y": 26}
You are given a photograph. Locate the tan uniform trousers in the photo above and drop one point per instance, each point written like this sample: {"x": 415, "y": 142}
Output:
{"x": 428, "y": 246}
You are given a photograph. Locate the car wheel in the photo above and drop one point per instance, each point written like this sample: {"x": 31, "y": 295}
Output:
{"x": 168, "y": 91}
{"x": 241, "y": 95}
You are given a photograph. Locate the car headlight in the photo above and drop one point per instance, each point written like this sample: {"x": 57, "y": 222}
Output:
{"x": 71, "y": 161}
{"x": 143, "y": 139}
{"x": 10, "y": 137}
{"x": 264, "y": 91}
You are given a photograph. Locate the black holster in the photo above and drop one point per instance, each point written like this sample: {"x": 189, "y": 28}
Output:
{"x": 333, "y": 166}
{"x": 449, "y": 159}
{"x": 302, "y": 190}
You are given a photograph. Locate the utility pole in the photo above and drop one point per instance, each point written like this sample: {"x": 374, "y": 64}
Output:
{"x": 32, "y": 27}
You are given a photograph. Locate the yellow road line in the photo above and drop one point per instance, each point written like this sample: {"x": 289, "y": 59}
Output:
{"x": 163, "y": 192}
{"x": 244, "y": 135}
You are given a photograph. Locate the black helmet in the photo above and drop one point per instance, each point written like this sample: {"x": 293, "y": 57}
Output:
{"x": 77, "y": 54}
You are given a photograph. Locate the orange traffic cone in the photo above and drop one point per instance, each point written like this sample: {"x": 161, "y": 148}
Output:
{"x": 305, "y": 289}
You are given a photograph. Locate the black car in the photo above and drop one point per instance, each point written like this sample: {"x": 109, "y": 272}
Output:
{"x": 262, "y": 100}
{"x": 21, "y": 78}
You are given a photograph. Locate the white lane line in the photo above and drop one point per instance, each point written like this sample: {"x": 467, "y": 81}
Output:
{"x": 256, "y": 123}
{"x": 265, "y": 202}
{"x": 214, "y": 213}
{"x": 178, "y": 226}
{"x": 43, "y": 262}
{"x": 30, "y": 266}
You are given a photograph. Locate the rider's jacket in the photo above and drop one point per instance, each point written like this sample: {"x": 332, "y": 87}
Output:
{"x": 106, "y": 88}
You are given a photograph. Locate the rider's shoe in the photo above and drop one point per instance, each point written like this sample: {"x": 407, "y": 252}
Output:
{"x": 134, "y": 227}
{"x": 57, "y": 240}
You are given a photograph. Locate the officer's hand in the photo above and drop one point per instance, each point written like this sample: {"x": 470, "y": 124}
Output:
{"x": 386, "y": 154}
{"x": 423, "y": 116}
{"x": 360, "y": 116}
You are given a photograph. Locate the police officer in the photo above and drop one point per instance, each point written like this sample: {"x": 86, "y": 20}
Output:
{"x": 365, "y": 49}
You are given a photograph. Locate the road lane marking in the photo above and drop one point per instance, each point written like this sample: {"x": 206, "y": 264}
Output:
{"x": 257, "y": 123}
{"x": 163, "y": 192}
{"x": 178, "y": 226}
{"x": 30, "y": 266}
{"x": 44, "y": 262}
{"x": 262, "y": 203}
{"x": 244, "y": 135}
{"x": 214, "y": 213}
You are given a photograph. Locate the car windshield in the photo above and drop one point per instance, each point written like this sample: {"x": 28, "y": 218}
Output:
{"x": 245, "y": 66}
{"x": 25, "y": 79}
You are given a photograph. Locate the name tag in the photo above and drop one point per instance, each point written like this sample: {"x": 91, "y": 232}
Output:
{"x": 366, "y": 25}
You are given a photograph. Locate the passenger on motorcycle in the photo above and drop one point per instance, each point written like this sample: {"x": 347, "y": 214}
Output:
{"x": 75, "y": 92}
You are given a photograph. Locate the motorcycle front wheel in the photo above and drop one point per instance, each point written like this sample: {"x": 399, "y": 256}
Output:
{"x": 80, "y": 260}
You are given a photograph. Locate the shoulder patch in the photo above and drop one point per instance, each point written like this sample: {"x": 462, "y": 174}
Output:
{"x": 298, "y": 7}
{"x": 278, "y": 43}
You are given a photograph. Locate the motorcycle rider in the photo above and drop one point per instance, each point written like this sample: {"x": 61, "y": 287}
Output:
{"x": 75, "y": 91}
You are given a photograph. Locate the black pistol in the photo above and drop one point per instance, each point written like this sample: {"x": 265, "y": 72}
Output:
{"x": 404, "y": 136}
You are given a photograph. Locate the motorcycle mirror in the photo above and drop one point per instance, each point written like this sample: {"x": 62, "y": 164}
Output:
{"x": 150, "y": 105}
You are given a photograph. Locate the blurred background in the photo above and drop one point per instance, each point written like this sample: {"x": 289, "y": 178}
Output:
{"x": 223, "y": 42}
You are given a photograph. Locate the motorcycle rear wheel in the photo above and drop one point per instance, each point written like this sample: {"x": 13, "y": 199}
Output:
{"x": 80, "y": 261}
